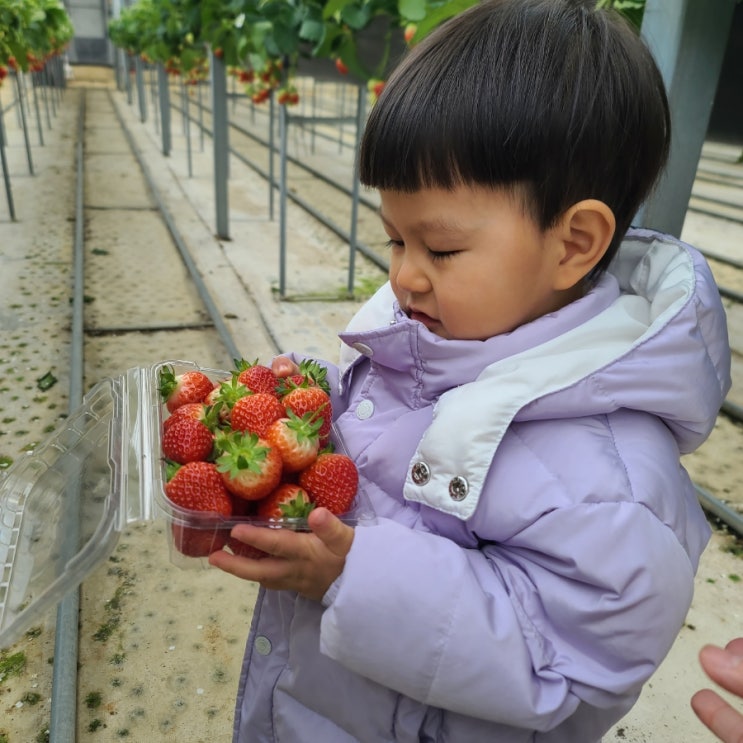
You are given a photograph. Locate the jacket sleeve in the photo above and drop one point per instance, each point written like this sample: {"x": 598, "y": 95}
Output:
{"x": 521, "y": 632}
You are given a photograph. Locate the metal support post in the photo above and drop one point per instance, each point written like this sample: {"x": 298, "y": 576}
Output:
{"x": 163, "y": 86}
{"x": 24, "y": 122}
{"x": 688, "y": 42}
{"x": 271, "y": 155}
{"x": 6, "y": 174}
{"x": 140, "y": 89}
{"x": 360, "y": 118}
{"x": 187, "y": 127}
{"x": 220, "y": 140}
{"x": 35, "y": 82}
{"x": 283, "y": 117}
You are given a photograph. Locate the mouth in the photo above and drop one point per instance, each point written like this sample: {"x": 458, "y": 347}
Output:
{"x": 421, "y": 317}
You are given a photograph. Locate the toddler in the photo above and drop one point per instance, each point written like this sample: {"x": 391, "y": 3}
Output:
{"x": 517, "y": 399}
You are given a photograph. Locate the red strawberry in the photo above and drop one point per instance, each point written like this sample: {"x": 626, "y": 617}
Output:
{"x": 332, "y": 481}
{"x": 256, "y": 377}
{"x": 245, "y": 550}
{"x": 226, "y": 394}
{"x": 178, "y": 389}
{"x": 256, "y": 413}
{"x": 206, "y": 414}
{"x": 341, "y": 66}
{"x": 250, "y": 467}
{"x": 409, "y": 32}
{"x": 187, "y": 440}
{"x": 286, "y": 502}
{"x": 296, "y": 439}
{"x": 311, "y": 374}
{"x": 310, "y": 399}
{"x": 197, "y": 486}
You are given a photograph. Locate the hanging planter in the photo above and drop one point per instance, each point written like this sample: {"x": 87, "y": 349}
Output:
{"x": 31, "y": 32}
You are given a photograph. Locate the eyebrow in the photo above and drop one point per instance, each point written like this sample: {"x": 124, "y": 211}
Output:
{"x": 430, "y": 225}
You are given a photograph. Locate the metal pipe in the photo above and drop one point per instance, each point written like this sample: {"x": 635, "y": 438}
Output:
{"x": 63, "y": 723}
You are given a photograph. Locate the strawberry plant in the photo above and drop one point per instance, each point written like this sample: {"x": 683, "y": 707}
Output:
{"x": 31, "y": 32}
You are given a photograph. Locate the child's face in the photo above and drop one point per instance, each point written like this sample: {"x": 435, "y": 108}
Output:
{"x": 468, "y": 263}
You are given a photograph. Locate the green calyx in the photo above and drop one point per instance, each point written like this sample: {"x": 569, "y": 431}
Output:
{"x": 306, "y": 428}
{"x": 298, "y": 507}
{"x": 167, "y": 382}
{"x": 230, "y": 392}
{"x": 239, "y": 452}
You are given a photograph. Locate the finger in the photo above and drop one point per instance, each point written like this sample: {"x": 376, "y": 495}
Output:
{"x": 723, "y": 667}
{"x": 240, "y": 567}
{"x": 735, "y": 646}
{"x": 718, "y": 716}
{"x": 283, "y": 366}
{"x": 331, "y": 531}
{"x": 276, "y": 542}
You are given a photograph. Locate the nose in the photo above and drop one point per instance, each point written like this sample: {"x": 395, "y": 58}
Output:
{"x": 407, "y": 274}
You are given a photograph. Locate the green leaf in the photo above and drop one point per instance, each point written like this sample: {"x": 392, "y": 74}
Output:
{"x": 412, "y": 10}
{"x": 312, "y": 30}
{"x": 441, "y": 14}
{"x": 355, "y": 16}
{"x": 333, "y": 7}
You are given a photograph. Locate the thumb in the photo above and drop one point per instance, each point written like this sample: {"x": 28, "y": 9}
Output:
{"x": 331, "y": 531}
{"x": 283, "y": 366}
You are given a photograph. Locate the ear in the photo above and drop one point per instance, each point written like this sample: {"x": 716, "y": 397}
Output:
{"x": 583, "y": 233}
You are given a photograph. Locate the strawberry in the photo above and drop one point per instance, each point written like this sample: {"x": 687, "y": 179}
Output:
{"x": 256, "y": 412}
{"x": 257, "y": 377}
{"x": 296, "y": 439}
{"x": 226, "y": 394}
{"x": 177, "y": 389}
{"x": 250, "y": 467}
{"x": 409, "y": 33}
{"x": 187, "y": 440}
{"x": 341, "y": 66}
{"x": 308, "y": 398}
{"x": 310, "y": 374}
{"x": 331, "y": 481}
{"x": 245, "y": 550}
{"x": 288, "y": 501}
{"x": 206, "y": 414}
{"x": 197, "y": 486}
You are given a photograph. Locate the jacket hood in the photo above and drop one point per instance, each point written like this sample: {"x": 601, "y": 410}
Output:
{"x": 659, "y": 344}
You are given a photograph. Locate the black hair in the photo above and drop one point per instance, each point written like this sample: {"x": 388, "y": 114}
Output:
{"x": 554, "y": 99}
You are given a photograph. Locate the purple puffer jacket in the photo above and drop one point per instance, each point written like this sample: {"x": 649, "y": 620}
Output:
{"x": 536, "y": 538}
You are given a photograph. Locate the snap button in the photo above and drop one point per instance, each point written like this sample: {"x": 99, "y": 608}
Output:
{"x": 262, "y": 645}
{"x": 420, "y": 473}
{"x": 364, "y": 410}
{"x": 362, "y": 348}
{"x": 458, "y": 488}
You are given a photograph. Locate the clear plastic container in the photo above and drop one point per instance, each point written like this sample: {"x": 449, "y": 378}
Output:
{"x": 64, "y": 505}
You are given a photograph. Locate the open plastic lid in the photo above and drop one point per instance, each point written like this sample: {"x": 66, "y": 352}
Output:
{"x": 64, "y": 505}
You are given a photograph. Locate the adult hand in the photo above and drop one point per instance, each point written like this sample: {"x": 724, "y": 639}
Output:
{"x": 724, "y": 667}
{"x": 305, "y": 562}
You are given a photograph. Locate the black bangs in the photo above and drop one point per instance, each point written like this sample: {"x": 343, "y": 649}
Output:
{"x": 436, "y": 125}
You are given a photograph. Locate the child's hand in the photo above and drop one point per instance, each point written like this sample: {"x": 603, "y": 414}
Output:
{"x": 299, "y": 561}
{"x": 283, "y": 366}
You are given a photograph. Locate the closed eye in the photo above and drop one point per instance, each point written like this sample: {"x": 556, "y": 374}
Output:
{"x": 440, "y": 255}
